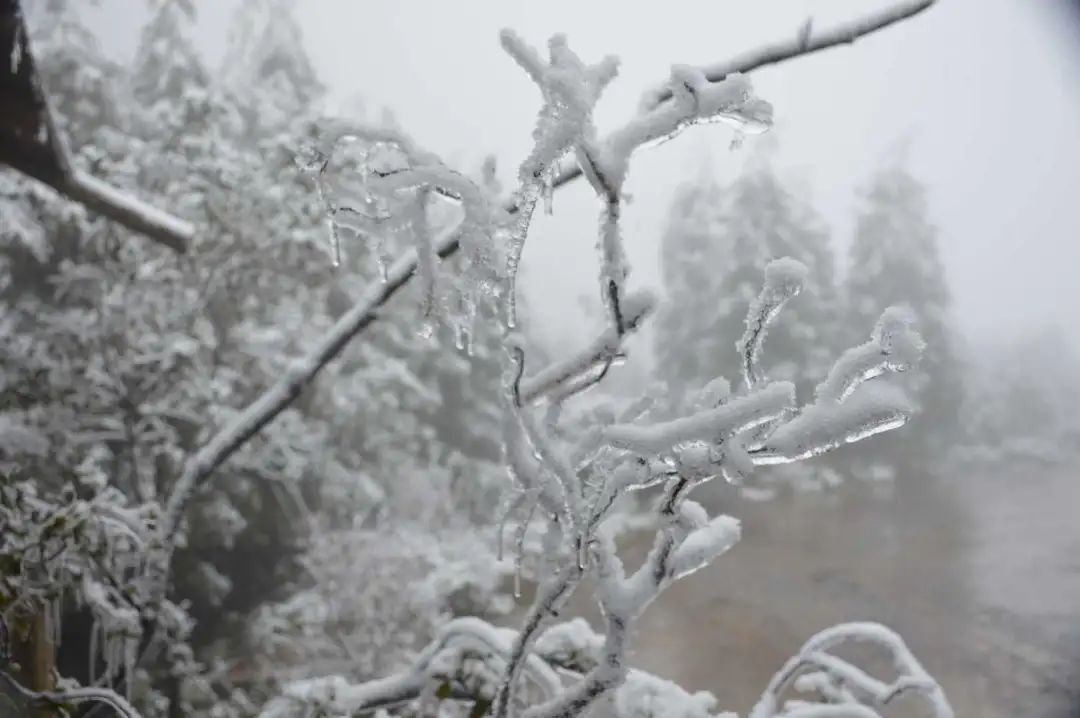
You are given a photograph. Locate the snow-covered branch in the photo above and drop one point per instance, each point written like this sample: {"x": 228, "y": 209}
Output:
{"x": 267, "y": 407}
{"x": 805, "y": 42}
{"x": 73, "y": 697}
{"x": 846, "y": 688}
{"x": 467, "y": 657}
{"x": 569, "y": 484}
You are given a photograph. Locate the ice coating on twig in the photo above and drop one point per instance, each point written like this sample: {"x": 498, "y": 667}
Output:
{"x": 784, "y": 279}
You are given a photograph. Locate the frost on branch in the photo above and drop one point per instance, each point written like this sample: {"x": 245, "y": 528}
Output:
{"x": 845, "y": 689}
{"x": 848, "y": 407}
{"x": 570, "y": 90}
{"x": 894, "y": 346}
{"x": 375, "y": 183}
{"x": 784, "y": 279}
{"x": 568, "y": 480}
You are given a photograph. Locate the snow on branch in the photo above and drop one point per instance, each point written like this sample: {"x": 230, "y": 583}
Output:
{"x": 466, "y": 656}
{"x": 267, "y": 407}
{"x": 711, "y": 425}
{"x": 75, "y": 696}
{"x": 894, "y": 346}
{"x": 602, "y": 351}
{"x": 805, "y": 42}
{"x": 761, "y": 424}
{"x": 846, "y": 689}
{"x": 847, "y": 406}
{"x": 784, "y": 279}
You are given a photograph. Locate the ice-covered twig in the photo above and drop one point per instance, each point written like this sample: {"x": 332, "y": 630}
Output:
{"x": 784, "y": 279}
{"x": 894, "y": 346}
{"x": 827, "y": 425}
{"x": 710, "y": 425}
{"x": 805, "y": 42}
{"x": 871, "y": 692}
{"x": 847, "y": 406}
{"x": 451, "y": 658}
{"x": 635, "y": 307}
{"x": 570, "y": 89}
{"x": 75, "y": 696}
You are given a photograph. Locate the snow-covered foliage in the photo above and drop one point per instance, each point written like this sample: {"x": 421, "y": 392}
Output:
{"x": 135, "y": 374}
{"x": 120, "y": 359}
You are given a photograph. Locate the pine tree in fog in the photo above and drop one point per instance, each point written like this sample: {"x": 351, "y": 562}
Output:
{"x": 894, "y": 259}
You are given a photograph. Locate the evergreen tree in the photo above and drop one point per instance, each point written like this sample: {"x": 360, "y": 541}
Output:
{"x": 894, "y": 260}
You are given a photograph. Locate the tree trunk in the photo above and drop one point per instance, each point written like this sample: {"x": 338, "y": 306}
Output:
{"x": 36, "y": 656}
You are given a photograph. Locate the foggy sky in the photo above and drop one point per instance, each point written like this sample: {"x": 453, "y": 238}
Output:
{"x": 983, "y": 96}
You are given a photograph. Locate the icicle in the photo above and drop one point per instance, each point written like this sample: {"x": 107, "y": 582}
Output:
{"x": 519, "y": 540}
{"x": 335, "y": 242}
{"x": 512, "y": 503}
{"x": 459, "y": 336}
{"x": 547, "y": 191}
{"x": 382, "y": 258}
{"x": 16, "y": 49}
{"x": 331, "y": 225}
{"x": 95, "y": 628}
{"x": 55, "y": 622}
{"x": 427, "y": 257}
{"x": 515, "y": 242}
{"x": 131, "y": 652}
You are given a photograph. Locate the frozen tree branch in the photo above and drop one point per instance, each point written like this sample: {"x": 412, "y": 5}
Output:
{"x": 635, "y": 308}
{"x": 274, "y": 400}
{"x": 266, "y": 408}
{"x": 467, "y": 653}
{"x": 783, "y": 280}
{"x": 805, "y": 42}
{"x": 851, "y": 690}
{"x": 75, "y": 696}
{"x": 759, "y": 425}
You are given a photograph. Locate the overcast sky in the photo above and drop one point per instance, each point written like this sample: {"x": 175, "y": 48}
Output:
{"x": 984, "y": 94}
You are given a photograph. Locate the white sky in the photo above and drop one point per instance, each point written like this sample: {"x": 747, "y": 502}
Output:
{"x": 984, "y": 93}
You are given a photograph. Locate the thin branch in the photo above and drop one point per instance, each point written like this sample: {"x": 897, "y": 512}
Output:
{"x": 277, "y": 398}
{"x": 75, "y": 696}
{"x": 804, "y": 43}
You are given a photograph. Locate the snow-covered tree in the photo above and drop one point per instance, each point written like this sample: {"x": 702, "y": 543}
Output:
{"x": 894, "y": 259}
{"x": 716, "y": 244}
{"x": 1020, "y": 398}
